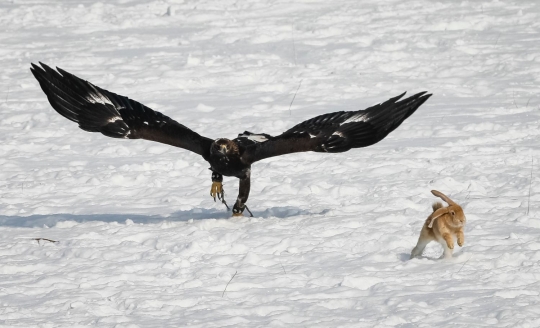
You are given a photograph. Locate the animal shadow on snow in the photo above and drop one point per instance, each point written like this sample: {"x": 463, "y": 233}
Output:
{"x": 406, "y": 257}
{"x": 195, "y": 214}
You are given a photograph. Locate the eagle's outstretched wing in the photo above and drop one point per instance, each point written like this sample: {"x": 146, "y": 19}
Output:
{"x": 99, "y": 110}
{"x": 335, "y": 132}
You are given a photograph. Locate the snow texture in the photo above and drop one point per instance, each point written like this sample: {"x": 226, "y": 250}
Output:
{"x": 142, "y": 244}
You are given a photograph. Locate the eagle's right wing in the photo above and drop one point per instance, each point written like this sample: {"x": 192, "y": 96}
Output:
{"x": 116, "y": 116}
{"x": 334, "y": 132}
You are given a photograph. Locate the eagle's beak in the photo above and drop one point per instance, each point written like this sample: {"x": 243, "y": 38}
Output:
{"x": 223, "y": 149}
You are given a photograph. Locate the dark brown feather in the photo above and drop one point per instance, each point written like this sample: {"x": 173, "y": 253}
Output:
{"x": 338, "y": 132}
{"x": 116, "y": 116}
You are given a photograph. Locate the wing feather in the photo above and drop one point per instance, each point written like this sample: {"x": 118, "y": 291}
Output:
{"x": 116, "y": 116}
{"x": 340, "y": 131}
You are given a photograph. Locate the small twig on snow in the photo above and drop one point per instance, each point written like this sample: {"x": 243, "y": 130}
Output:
{"x": 45, "y": 239}
{"x": 228, "y": 283}
{"x": 282, "y": 267}
{"x": 462, "y": 266}
{"x": 295, "y": 96}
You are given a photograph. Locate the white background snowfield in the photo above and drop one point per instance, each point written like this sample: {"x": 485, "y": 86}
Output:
{"x": 142, "y": 244}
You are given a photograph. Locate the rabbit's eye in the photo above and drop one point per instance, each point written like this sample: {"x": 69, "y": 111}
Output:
{"x": 453, "y": 213}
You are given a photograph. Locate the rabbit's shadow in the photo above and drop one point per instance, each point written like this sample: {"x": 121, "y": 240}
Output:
{"x": 405, "y": 257}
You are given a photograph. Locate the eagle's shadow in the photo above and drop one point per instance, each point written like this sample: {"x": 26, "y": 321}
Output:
{"x": 51, "y": 220}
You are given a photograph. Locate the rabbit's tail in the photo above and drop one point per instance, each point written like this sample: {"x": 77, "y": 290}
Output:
{"x": 436, "y": 206}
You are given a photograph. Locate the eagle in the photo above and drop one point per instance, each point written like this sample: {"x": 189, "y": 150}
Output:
{"x": 97, "y": 110}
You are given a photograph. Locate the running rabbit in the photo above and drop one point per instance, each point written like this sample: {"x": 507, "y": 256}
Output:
{"x": 444, "y": 225}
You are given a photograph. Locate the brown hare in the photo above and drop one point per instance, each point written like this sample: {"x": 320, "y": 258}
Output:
{"x": 444, "y": 225}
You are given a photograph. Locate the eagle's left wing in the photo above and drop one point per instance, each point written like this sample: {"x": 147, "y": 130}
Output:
{"x": 335, "y": 132}
{"x": 98, "y": 110}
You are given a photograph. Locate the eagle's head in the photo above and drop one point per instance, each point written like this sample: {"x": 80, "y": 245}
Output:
{"x": 224, "y": 147}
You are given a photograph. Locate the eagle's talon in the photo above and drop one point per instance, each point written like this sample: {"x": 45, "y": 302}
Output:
{"x": 221, "y": 195}
{"x": 239, "y": 210}
{"x": 217, "y": 190}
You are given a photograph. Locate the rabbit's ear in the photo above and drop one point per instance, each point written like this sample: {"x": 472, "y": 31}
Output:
{"x": 439, "y": 212}
{"x": 436, "y": 214}
{"x": 443, "y": 197}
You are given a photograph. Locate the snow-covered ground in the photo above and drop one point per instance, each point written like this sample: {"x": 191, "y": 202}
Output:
{"x": 142, "y": 244}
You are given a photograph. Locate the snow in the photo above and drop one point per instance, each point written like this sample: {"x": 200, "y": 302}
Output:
{"x": 142, "y": 244}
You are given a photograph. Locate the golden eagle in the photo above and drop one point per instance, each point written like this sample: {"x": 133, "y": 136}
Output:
{"x": 98, "y": 110}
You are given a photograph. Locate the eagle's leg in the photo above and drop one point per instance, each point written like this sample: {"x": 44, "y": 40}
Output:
{"x": 217, "y": 188}
{"x": 243, "y": 195}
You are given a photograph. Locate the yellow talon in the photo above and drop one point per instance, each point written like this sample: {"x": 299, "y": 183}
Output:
{"x": 217, "y": 190}
{"x": 237, "y": 214}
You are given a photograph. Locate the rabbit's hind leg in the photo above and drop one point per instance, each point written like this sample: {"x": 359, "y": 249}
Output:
{"x": 423, "y": 240}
